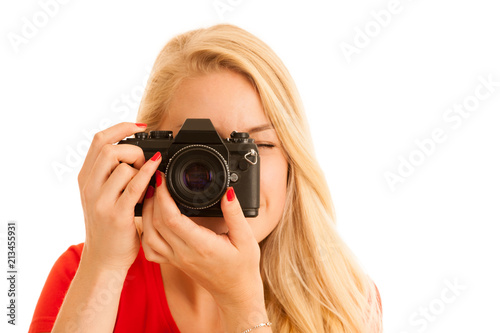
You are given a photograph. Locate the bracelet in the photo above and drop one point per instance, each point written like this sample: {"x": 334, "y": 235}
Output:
{"x": 268, "y": 324}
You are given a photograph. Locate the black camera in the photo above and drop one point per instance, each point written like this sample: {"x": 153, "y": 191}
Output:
{"x": 199, "y": 166}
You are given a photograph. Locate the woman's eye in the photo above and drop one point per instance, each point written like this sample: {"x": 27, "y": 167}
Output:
{"x": 265, "y": 145}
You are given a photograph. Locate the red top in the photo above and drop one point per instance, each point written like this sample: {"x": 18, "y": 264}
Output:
{"x": 143, "y": 305}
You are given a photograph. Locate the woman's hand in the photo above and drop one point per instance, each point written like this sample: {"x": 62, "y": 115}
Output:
{"x": 225, "y": 265}
{"x": 109, "y": 190}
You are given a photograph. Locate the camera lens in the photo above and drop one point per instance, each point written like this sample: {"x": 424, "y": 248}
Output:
{"x": 197, "y": 176}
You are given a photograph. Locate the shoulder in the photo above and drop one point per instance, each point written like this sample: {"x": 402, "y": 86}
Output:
{"x": 64, "y": 268}
{"x": 71, "y": 255}
{"x": 55, "y": 288}
{"x": 67, "y": 263}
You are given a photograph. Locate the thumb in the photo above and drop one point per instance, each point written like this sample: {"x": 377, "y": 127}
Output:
{"x": 239, "y": 230}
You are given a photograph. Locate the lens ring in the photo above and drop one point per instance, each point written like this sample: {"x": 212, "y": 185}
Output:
{"x": 213, "y": 161}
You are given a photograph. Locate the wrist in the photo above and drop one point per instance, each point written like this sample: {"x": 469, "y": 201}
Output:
{"x": 89, "y": 265}
{"x": 93, "y": 262}
{"x": 242, "y": 297}
{"x": 266, "y": 324}
{"x": 242, "y": 316}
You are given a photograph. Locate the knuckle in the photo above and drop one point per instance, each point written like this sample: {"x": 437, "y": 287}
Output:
{"x": 101, "y": 208}
{"x": 148, "y": 253}
{"x": 85, "y": 191}
{"x": 107, "y": 150}
{"x": 205, "y": 251}
{"x": 81, "y": 179}
{"x": 132, "y": 172}
{"x": 136, "y": 149}
{"x": 147, "y": 239}
{"x": 122, "y": 168}
{"x": 152, "y": 255}
{"x": 174, "y": 221}
{"x": 156, "y": 222}
{"x": 134, "y": 188}
{"x": 99, "y": 138}
{"x": 126, "y": 170}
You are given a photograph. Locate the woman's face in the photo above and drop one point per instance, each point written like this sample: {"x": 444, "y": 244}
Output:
{"x": 232, "y": 104}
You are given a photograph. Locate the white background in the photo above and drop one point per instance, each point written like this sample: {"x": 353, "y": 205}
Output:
{"x": 439, "y": 226}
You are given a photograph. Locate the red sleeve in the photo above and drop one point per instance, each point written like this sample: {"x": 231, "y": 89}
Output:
{"x": 55, "y": 289}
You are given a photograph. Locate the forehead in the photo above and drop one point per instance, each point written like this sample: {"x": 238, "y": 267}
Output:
{"x": 226, "y": 97}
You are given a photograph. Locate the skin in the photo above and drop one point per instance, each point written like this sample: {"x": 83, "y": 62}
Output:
{"x": 232, "y": 103}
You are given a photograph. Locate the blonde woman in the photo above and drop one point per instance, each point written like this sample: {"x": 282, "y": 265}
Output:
{"x": 286, "y": 270}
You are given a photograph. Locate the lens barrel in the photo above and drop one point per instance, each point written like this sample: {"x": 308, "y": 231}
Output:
{"x": 197, "y": 176}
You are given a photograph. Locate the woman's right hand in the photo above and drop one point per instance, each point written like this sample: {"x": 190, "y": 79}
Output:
{"x": 109, "y": 189}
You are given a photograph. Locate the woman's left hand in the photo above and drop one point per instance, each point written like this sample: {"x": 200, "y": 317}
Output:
{"x": 227, "y": 266}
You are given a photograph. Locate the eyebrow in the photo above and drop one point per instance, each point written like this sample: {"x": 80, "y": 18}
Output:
{"x": 255, "y": 129}
{"x": 259, "y": 128}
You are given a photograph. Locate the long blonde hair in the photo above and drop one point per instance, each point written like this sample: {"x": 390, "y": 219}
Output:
{"x": 312, "y": 281}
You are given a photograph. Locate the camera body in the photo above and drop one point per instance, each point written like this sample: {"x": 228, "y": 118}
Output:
{"x": 199, "y": 166}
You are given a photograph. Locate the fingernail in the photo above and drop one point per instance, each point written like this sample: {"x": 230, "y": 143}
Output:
{"x": 158, "y": 178}
{"x": 230, "y": 194}
{"x": 141, "y": 125}
{"x": 156, "y": 156}
{"x": 150, "y": 192}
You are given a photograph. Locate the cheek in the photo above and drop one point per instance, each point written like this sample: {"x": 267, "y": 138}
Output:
{"x": 273, "y": 178}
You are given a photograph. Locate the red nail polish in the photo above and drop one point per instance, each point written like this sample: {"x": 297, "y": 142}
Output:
{"x": 230, "y": 194}
{"x": 141, "y": 125}
{"x": 158, "y": 178}
{"x": 156, "y": 156}
{"x": 150, "y": 192}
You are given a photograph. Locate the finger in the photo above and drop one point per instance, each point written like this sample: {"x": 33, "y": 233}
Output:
{"x": 141, "y": 199}
{"x": 109, "y": 158}
{"x": 169, "y": 209}
{"x": 239, "y": 230}
{"x": 138, "y": 184}
{"x": 118, "y": 181}
{"x": 154, "y": 245}
{"x": 108, "y": 136}
{"x": 173, "y": 221}
{"x": 161, "y": 225}
{"x": 152, "y": 255}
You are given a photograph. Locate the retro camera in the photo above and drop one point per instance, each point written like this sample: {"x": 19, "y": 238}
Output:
{"x": 199, "y": 166}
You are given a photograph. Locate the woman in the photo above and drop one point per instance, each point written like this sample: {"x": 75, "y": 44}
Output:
{"x": 288, "y": 266}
